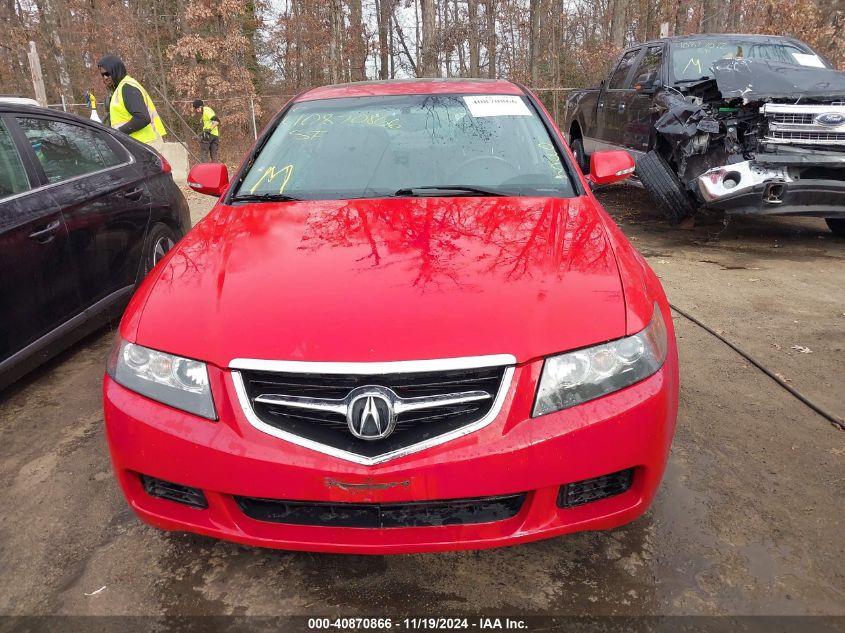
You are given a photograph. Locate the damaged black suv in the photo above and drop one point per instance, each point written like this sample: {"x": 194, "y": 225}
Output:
{"x": 740, "y": 123}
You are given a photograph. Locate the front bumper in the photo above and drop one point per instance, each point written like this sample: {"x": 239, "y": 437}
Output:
{"x": 767, "y": 188}
{"x": 515, "y": 454}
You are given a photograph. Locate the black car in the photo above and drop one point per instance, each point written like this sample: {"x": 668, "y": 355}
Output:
{"x": 85, "y": 213}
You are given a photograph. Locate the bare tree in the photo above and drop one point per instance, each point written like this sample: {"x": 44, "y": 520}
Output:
{"x": 474, "y": 46}
{"x": 534, "y": 34}
{"x": 428, "y": 63}
{"x": 357, "y": 44}
{"x": 491, "y": 39}
{"x": 617, "y": 23}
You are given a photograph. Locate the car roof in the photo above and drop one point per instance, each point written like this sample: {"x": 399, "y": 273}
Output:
{"x": 391, "y": 87}
{"x": 721, "y": 36}
{"x": 10, "y": 106}
{"x": 17, "y": 100}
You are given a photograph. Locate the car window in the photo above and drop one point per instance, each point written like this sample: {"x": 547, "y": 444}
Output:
{"x": 66, "y": 150}
{"x": 12, "y": 174}
{"x": 649, "y": 69}
{"x": 370, "y": 147}
{"x": 617, "y": 79}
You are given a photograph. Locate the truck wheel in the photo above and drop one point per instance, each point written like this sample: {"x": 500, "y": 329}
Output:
{"x": 666, "y": 190}
{"x": 577, "y": 147}
{"x": 837, "y": 225}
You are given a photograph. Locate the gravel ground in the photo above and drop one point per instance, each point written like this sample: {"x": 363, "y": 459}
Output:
{"x": 748, "y": 519}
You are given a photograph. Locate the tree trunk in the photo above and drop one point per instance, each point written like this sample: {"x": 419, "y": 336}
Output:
{"x": 491, "y": 39}
{"x": 357, "y": 44}
{"x": 712, "y": 16}
{"x": 428, "y": 63}
{"x": 474, "y": 46}
{"x": 533, "y": 35}
{"x": 383, "y": 17}
{"x": 617, "y": 23}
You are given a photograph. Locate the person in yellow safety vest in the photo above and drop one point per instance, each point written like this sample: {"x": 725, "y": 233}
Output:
{"x": 130, "y": 108}
{"x": 210, "y": 136}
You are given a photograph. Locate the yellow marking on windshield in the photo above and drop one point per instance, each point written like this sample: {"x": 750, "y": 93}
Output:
{"x": 550, "y": 154}
{"x": 270, "y": 174}
{"x": 695, "y": 62}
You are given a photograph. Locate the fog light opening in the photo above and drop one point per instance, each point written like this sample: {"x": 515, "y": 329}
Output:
{"x": 589, "y": 490}
{"x": 185, "y": 495}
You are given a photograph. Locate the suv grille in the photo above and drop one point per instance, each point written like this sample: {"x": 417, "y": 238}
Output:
{"x": 330, "y": 428}
{"x": 810, "y": 137}
{"x": 386, "y": 515}
{"x": 794, "y": 118}
{"x": 791, "y": 124}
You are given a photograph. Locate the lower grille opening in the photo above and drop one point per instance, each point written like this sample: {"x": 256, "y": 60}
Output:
{"x": 386, "y": 515}
{"x": 589, "y": 490}
{"x": 174, "y": 492}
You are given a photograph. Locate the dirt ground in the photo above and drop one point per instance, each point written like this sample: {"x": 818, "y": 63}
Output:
{"x": 748, "y": 520}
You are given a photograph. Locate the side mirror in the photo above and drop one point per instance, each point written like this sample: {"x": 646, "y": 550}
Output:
{"x": 211, "y": 179}
{"x": 609, "y": 167}
{"x": 646, "y": 87}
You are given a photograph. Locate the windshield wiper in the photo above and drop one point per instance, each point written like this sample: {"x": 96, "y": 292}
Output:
{"x": 466, "y": 189}
{"x": 691, "y": 81}
{"x": 264, "y": 197}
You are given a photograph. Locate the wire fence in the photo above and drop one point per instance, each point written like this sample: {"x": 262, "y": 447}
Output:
{"x": 252, "y": 114}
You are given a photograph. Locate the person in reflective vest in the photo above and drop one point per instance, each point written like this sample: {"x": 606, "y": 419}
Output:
{"x": 130, "y": 108}
{"x": 210, "y": 135}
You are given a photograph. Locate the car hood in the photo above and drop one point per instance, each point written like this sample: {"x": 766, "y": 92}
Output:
{"x": 385, "y": 280}
{"x": 752, "y": 79}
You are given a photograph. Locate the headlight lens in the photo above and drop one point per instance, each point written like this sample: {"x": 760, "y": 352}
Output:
{"x": 576, "y": 377}
{"x": 179, "y": 382}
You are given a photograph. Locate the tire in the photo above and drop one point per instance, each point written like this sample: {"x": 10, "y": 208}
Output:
{"x": 664, "y": 187}
{"x": 577, "y": 147}
{"x": 836, "y": 225}
{"x": 160, "y": 239}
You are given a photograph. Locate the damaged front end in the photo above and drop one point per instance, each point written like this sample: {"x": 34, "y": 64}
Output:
{"x": 759, "y": 137}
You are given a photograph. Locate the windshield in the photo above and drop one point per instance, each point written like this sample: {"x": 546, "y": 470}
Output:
{"x": 693, "y": 59}
{"x": 370, "y": 147}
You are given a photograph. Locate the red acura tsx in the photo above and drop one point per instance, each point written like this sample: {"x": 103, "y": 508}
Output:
{"x": 407, "y": 325}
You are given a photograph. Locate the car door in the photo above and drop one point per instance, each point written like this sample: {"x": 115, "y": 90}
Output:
{"x": 636, "y": 115}
{"x": 104, "y": 199}
{"x": 38, "y": 286}
{"x": 611, "y": 102}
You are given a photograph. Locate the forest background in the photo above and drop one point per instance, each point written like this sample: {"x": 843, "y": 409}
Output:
{"x": 245, "y": 58}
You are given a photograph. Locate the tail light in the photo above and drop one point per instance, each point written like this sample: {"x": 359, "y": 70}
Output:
{"x": 165, "y": 166}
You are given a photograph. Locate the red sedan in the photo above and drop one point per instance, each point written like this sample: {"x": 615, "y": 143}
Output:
{"x": 407, "y": 325}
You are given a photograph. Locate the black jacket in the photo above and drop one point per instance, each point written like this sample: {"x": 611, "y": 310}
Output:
{"x": 133, "y": 100}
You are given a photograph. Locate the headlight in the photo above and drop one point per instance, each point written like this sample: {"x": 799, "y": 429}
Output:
{"x": 576, "y": 377}
{"x": 179, "y": 382}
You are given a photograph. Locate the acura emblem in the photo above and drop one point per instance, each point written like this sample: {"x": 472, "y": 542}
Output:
{"x": 831, "y": 118}
{"x": 370, "y": 415}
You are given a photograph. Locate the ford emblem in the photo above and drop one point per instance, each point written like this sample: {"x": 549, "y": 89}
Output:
{"x": 831, "y": 118}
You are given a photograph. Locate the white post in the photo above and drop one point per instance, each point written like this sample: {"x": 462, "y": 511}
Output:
{"x": 252, "y": 111}
{"x": 37, "y": 77}
{"x": 64, "y": 104}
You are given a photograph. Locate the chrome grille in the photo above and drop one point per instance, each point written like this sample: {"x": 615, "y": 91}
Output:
{"x": 429, "y": 405}
{"x": 808, "y": 136}
{"x": 804, "y": 124}
{"x": 794, "y": 118}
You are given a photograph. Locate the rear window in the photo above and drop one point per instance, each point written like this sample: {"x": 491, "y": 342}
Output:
{"x": 370, "y": 147}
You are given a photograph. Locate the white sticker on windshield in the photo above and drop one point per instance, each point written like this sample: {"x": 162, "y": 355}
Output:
{"x": 496, "y": 105}
{"x": 808, "y": 60}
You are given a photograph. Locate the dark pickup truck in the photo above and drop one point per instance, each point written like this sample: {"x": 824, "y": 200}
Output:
{"x": 740, "y": 123}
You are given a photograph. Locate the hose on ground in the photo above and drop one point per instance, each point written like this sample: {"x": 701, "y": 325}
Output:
{"x": 833, "y": 419}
